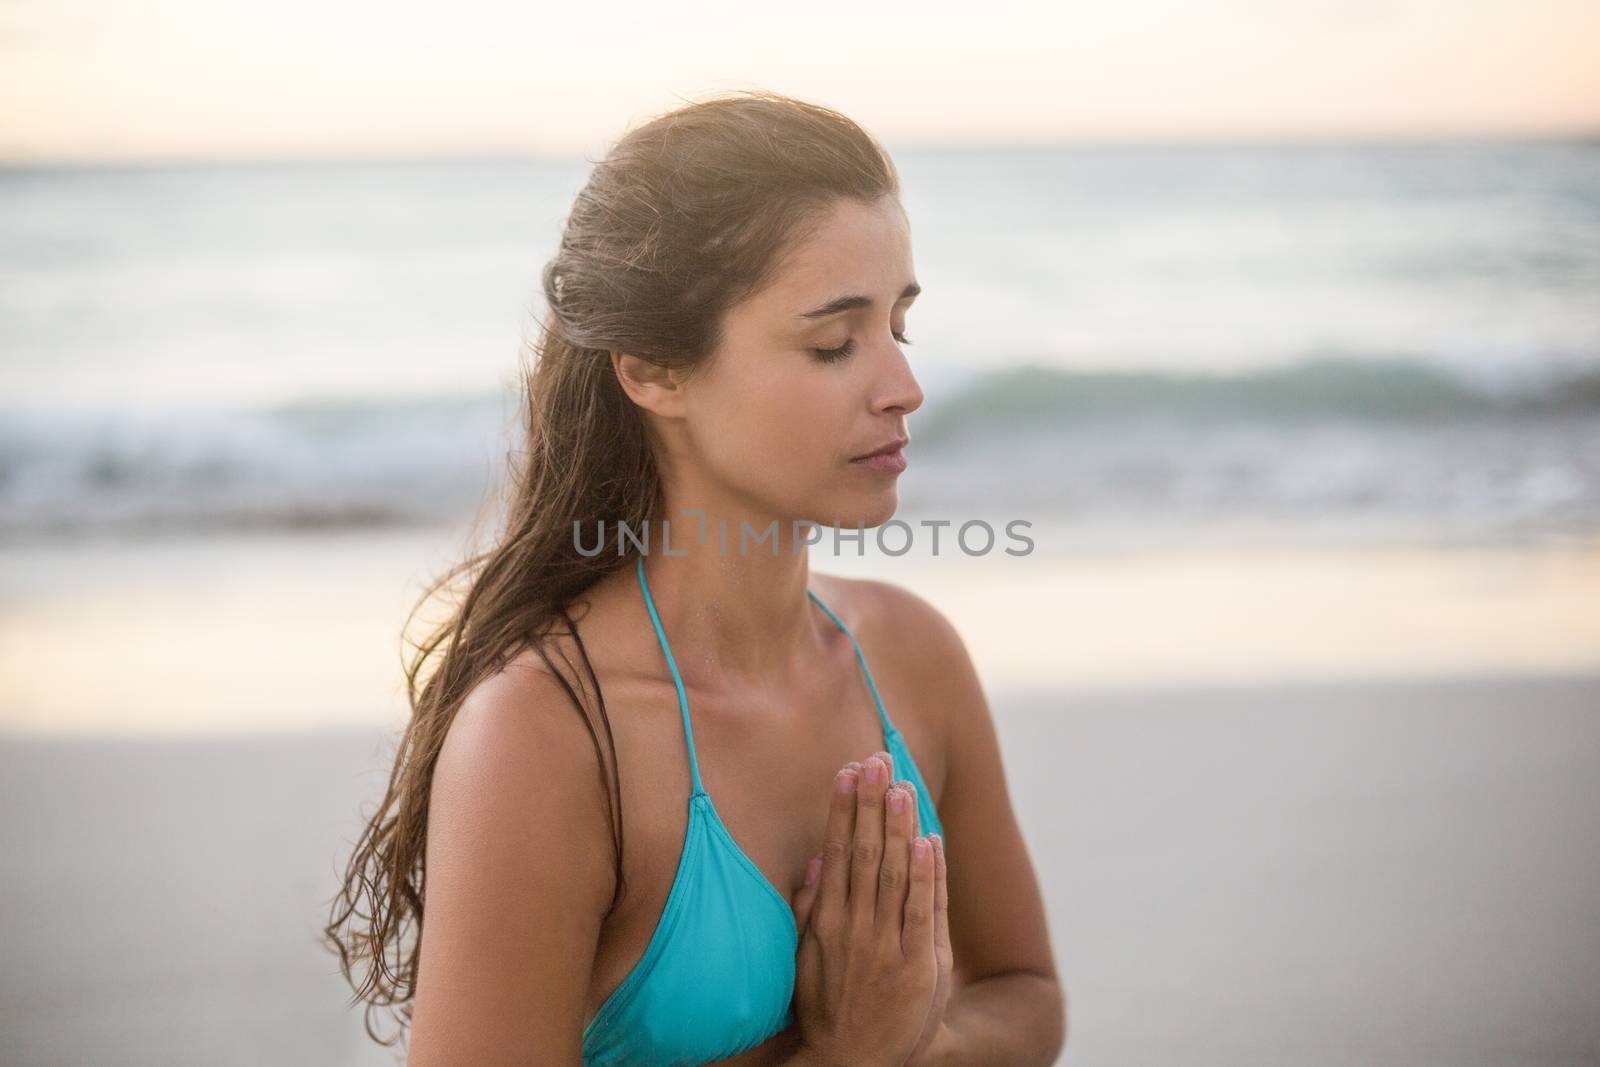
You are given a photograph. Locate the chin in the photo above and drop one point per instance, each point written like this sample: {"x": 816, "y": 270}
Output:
{"x": 870, "y": 511}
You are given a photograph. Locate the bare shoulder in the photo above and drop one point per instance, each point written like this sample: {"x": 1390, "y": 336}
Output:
{"x": 524, "y": 729}
{"x": 906, "y": 632}
{"x": 898, "y": 620}
{"x": 540, "y": 702}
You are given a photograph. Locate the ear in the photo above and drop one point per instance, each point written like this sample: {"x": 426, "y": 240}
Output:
{"x": 653, "y": 387}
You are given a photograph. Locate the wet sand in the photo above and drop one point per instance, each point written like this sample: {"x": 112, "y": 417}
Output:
{"x": 283, "y": 633}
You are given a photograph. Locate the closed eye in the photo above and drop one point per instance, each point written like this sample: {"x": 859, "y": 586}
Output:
{"x": 834, "y": 355}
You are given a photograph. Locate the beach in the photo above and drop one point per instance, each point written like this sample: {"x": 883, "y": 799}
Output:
{"x": 1287, "y": 805}
{"x": 1298, "y": 686}
{"x": 1376, "y": 873}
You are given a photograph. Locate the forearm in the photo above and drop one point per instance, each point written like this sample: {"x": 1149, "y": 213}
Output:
{"x": 1017, "y": 1019}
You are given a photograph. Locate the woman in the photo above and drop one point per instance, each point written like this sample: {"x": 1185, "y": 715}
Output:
{"x": 722, "y": 365}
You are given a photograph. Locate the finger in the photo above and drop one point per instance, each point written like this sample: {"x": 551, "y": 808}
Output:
{"x": 916, "y": 930}
{"x": 805, "y": 898}
{"x": 866, "y": 854}
{"x": 899, "y": 813}
{"x": 916, "y": 808}
{"x": 838, "y": 839}
{"x": 941, "y": 900}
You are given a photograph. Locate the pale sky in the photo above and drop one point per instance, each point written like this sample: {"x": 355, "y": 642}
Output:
{"x": 105, "y": 80}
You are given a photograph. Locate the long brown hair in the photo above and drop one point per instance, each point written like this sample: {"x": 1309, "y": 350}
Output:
{"x": 684, "y": 217}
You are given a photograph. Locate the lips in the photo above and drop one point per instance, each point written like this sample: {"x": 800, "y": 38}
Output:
{"x": 889, "y": 459}
{"x": 884, "y": 449}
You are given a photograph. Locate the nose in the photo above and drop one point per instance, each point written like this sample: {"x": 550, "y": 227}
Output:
{"x": 899, "y": 392}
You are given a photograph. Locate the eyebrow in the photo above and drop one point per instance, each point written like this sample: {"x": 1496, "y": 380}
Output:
{"x": 850, "y": 303}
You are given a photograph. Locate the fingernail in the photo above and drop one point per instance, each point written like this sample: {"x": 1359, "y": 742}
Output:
{"x": 814, "y": 869}
{"x": 938, "y": 842}
{"x": 920, "y": 851}
{"x": 875, "y": 771}
{"x": 897, "y": 800}
{"x": 844, "y": 783}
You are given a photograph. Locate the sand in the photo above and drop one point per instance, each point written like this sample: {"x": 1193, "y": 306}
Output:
{"x": 1388, "y": 872}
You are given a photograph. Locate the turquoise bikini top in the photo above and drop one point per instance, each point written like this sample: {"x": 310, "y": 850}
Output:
{"x": 717, "y": 977}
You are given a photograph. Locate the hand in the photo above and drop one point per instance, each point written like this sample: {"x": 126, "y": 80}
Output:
{"x": 934, "y": 1032}
{"x": 867, "y": 969}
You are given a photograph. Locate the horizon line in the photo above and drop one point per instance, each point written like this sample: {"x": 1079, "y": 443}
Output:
{"x": 910, "y": 145}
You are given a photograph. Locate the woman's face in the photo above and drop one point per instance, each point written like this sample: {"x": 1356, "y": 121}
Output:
{"x": 770, "y": 424}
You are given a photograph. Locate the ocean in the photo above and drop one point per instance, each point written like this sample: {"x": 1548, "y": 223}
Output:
{"x": 1388, "y": 340}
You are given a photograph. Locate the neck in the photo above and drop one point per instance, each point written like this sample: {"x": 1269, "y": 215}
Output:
{"x": 732, "y": 612}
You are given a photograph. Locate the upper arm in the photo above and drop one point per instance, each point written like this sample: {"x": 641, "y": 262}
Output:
{"x": 997, "y": 913}
{"x": 519, "y": 876}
